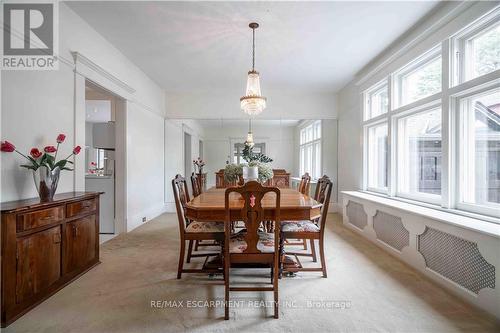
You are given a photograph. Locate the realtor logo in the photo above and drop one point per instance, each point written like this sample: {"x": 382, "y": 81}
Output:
{"x": 29, "y": 36}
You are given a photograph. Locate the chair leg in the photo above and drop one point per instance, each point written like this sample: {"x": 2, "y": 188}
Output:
{"x": 196, "y": 245}
{"x": 304, "y": 242}
{"x": 322, "y": 255}
{"x": 313, "y": 250}
{"x": 190, "y": 251}
{"x": 226, "y": 289}
{"x": 275, "y": 290}
{"x": 181, "y": 258}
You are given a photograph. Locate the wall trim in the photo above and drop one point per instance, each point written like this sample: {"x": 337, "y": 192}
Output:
{"x": 84, "y": 64}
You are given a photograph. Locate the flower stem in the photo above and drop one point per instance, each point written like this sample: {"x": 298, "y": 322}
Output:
{"x": 57, "y": 150}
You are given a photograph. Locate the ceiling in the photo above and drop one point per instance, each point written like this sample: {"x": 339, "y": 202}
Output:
{"x": 206, "y": 46}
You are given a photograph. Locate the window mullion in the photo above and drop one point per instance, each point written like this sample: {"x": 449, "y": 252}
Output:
{"x": 446, "y": 133}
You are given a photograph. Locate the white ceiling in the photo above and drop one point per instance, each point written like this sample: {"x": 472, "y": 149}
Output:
{"x": 206, "y": 46}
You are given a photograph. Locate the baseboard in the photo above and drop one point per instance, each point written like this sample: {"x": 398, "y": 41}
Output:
{"x": 137, "y": 219}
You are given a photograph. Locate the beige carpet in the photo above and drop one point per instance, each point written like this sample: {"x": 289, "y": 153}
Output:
{"x": 367, "y": 291}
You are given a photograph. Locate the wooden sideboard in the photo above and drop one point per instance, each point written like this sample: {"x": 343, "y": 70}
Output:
{"x": 280, "y": 179}
{"x": 45, "y": 246}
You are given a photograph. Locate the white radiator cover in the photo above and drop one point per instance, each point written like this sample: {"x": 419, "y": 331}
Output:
{"x": 465, "y": 261}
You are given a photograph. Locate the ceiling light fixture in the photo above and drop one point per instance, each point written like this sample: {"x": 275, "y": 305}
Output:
{"x": 253, "y": 103}
{"x": 249, "y": 141}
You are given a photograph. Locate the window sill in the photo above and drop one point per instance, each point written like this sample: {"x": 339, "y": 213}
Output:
{"x": 440, "y": 214}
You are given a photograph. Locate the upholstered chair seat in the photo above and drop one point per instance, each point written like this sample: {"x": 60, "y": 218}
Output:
{"x": 299, "y": 226}
{"x": 195, "y": 226}
{"x": 265, "y": 244}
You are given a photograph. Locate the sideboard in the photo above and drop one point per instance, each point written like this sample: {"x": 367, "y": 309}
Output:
{"x": 45, "y": 246}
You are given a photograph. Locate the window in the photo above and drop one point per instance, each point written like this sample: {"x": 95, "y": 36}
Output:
{"x": 377, "y": 157}
{"x": 310, "y": 150}
{"x": 419, "y": 79}
{"x": 419, "y": 155}
{"x": 480, "y": 153}
{"x": 438, "y": 143}
{"x": 477, "y": 48}
{"x": 376, "y": 100}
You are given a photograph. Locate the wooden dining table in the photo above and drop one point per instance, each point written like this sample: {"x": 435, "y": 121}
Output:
{"x": 294, "y": 206}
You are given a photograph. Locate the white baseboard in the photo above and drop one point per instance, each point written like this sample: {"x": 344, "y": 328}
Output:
{"x": 136, "y": 220}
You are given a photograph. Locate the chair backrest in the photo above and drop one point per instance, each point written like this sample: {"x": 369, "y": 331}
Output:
{"x": 181, "y": 196}
{"x": 195, "y": 184}
{"x": 322, "y": 195}
{"x": 253, "y": 213}
{"x": 305, "y": 182}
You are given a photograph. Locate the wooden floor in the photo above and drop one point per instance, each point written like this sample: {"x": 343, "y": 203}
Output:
{"x": 135, "y": 290}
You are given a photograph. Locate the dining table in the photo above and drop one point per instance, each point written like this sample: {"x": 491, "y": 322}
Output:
{"x": 294, "y": 206}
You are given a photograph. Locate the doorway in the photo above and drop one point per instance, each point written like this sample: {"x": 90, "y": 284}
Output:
{"x": 104, "y": 117}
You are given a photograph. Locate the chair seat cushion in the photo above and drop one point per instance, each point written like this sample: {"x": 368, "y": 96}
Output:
{"x": 196, "y": 226}
{"x": 299, "y": 226}
{"x": 264, "y": 245}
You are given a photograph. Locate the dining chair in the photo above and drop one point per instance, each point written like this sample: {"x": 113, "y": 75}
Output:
{"x": 253, "y": 246}
{"x": 304, "y": 185}
{"x": 193, "y": 230}
{"x": 312, "y": 230}
{"x": 195, "y": 185}
{"x": 304, "y": 188}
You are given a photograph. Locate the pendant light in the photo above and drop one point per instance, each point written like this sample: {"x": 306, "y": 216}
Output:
{"x": 249, "y": 142}
{"x": 253, "y": 103}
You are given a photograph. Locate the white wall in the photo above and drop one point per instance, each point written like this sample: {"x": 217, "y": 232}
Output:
{"x": 52, "y": 108}
{"x": 280, "y": 104}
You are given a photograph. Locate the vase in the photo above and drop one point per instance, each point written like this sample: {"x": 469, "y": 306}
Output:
{"x": 250, "y": 173}
{"x": 46, "y": 182}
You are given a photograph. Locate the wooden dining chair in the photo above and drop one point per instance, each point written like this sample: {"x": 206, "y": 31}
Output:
{"x": 195, "y": 185}
{"x": 304, "y": 188}
{"x": 312, "y": 230}
{"x": 253, "y": 246}
{"x": 196, "y": 191}
{"x": 193, "y": 230}
{"x": 305, "y": 183}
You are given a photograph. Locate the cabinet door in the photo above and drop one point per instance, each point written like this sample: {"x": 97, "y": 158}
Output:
{"x": 80, "y": 243}
{"x": 38, "y": 262}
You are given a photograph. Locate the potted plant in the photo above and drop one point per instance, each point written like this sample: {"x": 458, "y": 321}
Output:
{"x": 257, "y": 167}
{"x": 44, "y": 165}
{"x": 198, "y": 165}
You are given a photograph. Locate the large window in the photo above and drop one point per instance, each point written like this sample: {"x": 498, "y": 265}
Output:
{"x": 377, "y": 157}
{"x": 435, "y": 141}
{"x": 479, "y": 167}
{"x": 420, "y": 78}
{"x": 310, "y": 149}
{"x": 419, "y": 155}
{"x": 477, "y": 48}
{"x": 376, "y": 100}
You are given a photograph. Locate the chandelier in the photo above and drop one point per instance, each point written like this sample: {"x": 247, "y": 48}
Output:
{"x": 253, "y": 103}
{"x": 249, "y": 142}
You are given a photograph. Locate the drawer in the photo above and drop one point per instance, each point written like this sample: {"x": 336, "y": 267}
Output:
{"x": 40, "y": 218}
{"x": 81, "y": 207}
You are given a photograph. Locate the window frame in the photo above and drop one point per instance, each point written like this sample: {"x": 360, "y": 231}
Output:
{"x": 460, "y": 162}
{"x": 460, "y": 67}
{"x": 448, "y": 99}
{"x": 367, "y": 98}
{"x": 366, "y": 152}
{"x": 418, "y": 196}
{"x": 421, "y": 61}
{"x": 316, "y": 145}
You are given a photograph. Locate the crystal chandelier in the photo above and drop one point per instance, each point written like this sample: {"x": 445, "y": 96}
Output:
{"x": 249, "y": 142}
{"x": 253, "y": 103}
